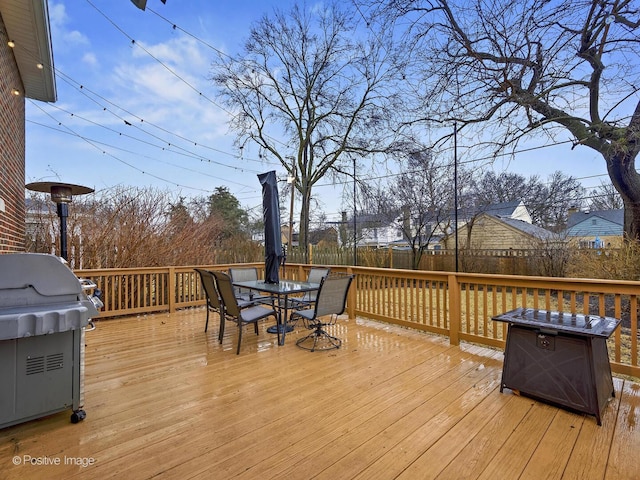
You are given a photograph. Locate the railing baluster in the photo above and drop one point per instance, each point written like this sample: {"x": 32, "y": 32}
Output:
{"x": 441, "y": 302}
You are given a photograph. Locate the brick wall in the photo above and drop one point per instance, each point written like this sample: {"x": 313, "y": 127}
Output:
{"x": 12, "y": 151}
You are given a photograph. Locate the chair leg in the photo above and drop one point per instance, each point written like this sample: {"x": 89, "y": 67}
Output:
{"x": 335, "y": 341}
{"x": 221, "y": 332}
{"x": 317, "y": 334}
{"x": 239, "y": 337}
{"x": 206, "y": 324}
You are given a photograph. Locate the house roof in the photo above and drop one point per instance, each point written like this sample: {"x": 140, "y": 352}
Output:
{"x": 613, "y": 216}
{"x": 528, "y": 228}
{"x": 604, "y": 223}
{"x": 328, "y": 234}
{"x": 27, "y": 25}
{"x": 503, "y": 209}
{"x": 372, "y": 220}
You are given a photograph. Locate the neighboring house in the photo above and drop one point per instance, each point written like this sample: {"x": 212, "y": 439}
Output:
{"x": 375, "y": 232}
{"x": 515, "y": 210}
{"x": 597, "y": 229}
{"x": 378, "y": 232}
{"x": 26, "y": 71}
{"x": 326, "y": 236}
{"x": 498, "y": 226}
{"x": 284, "y": 236}
{"x": 494, "y": 232}
{"x": 38, "y": 232}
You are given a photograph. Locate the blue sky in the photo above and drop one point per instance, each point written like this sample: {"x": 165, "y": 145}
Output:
{"x": 144, "y": 113}
{"x": 178, "y": 138}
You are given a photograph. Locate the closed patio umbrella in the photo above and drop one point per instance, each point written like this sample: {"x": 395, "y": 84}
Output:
{"x": 272, "y": 236}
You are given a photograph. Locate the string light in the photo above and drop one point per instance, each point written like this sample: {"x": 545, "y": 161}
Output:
{"x": 11, "y": 43}
{"x": 174, "y": 26}
{"x": 15, "y": 91}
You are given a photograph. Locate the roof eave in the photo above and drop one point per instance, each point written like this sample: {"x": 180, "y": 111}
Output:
{"x": 27, "y": 24}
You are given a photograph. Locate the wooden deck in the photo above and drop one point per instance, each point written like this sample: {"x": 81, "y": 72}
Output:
{"x": 164, "y": 399}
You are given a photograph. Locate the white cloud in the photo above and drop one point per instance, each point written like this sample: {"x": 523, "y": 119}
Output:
{"x": 90, "y": 59}
{"x": 58, "y": 20}
{"x": 180, "y": 50}
{"x": 170, "y": 88}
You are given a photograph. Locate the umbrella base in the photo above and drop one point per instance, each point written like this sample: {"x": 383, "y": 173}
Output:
{"x": 275, "y": 328}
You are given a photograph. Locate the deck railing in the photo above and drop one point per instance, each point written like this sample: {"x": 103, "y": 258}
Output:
{"x": 457, "y": 305}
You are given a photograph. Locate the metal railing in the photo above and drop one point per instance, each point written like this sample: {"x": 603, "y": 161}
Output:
{"x": 457, "y": 305}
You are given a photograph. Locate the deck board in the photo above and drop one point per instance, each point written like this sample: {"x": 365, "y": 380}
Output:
{"x": 479, "y": 450}
{"x": 166, "y": 400}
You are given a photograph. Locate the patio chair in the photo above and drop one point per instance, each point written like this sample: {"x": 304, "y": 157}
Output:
{"x": 232, "y": 311}
{"x": 316, "y": 274}
{"x": 330, "y": 302}
{"x": 246, "y": 274}
{"x": 211, "y": 292}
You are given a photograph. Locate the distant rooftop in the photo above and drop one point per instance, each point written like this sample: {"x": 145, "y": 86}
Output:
{"x": 613, "y": 216}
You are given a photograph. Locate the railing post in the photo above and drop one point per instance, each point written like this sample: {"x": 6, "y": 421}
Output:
{"x": 352, "y": 297}
{"x": 172, "y": 289}
{"x": 454, "y": 309}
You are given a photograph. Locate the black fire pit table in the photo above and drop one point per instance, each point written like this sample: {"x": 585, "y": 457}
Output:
{"x": 560, "y": 358}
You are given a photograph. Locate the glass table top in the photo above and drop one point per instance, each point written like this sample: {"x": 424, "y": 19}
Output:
{"x": 282, "y": 287}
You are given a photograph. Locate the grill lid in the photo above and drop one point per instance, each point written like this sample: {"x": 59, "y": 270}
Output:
{"x": 40, "y": 295}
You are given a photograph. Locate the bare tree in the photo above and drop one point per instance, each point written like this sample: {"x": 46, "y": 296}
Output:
{"x": 42, "y": 224}
{"x": 548, "y": 202}
{"x": 553, "y": 255}
{"x": 605, "y": 197}
{"x": 559, "y": 194}
{"x": 131, "y": 227}
{"x": 492, "y": 188}
{"x": 515, "y": 68}
{"x": 418, "y": 202}
{"x": 305, "y": 75}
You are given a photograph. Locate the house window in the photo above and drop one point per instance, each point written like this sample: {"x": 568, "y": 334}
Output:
{"x": 594, "y": 221}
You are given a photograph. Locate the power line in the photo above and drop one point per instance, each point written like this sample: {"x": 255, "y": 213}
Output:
{"x": 170, "y": 146}
{"x": 170, "y": 70}
{"x": 85, "y": 90}
{"x": 67, "y": 131}
{"x": 144, "y": 172}
{"x": 198, "y": 39}
{"x": 487, "y": 159}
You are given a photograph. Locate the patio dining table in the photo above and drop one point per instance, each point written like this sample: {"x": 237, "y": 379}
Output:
{"x": 281, "y": 290}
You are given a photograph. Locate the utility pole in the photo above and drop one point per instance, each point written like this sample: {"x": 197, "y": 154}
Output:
{"x": 455, "y": 185}
{"x": 291, "y": 180}
{"x": 355, "y": 211}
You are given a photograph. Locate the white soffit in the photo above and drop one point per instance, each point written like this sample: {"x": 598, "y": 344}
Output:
{"x": 27, "y": 24}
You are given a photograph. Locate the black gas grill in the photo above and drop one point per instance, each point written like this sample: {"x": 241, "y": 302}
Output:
{"x": 43, "y": 312}
{"x": 559, "y": 357}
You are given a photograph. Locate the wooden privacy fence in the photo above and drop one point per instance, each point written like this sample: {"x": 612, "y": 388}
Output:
{"x": 457, "y": 305}
{"x": 495, "y": 261}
